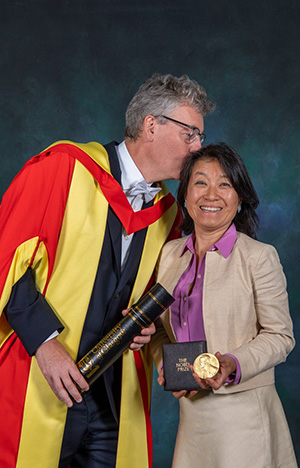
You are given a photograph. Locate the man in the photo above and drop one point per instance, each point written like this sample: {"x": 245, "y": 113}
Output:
{"x": 79, "y": 243}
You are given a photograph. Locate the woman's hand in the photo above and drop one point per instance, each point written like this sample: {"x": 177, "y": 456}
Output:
{"x": 161, "y": 378}
{"x": 181, "y": 393}
{"x": 185, "y": 393}
{"x": 227, "y": 367}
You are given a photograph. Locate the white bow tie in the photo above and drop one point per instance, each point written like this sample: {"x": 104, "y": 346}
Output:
{"x": 141, "y": 188}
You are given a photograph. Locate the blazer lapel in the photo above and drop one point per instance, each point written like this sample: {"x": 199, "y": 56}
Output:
{"x": 113, "y": 222}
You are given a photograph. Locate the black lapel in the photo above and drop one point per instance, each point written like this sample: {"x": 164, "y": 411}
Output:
{"x": 113, "y": 222}
{"x": 135, "y": 253}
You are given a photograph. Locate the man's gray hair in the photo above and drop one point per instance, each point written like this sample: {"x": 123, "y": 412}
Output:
{"x": 159, "y": 95}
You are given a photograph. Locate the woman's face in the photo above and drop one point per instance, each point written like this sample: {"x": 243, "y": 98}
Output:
{"x": 211, "y": 200}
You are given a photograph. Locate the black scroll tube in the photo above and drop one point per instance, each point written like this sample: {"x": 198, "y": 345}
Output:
{"x": 112, "y": 346}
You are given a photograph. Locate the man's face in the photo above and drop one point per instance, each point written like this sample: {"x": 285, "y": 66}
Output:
{"x": 172, "y": 142}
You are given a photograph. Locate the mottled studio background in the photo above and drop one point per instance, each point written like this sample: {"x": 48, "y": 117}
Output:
{"x": 70, "y": 67}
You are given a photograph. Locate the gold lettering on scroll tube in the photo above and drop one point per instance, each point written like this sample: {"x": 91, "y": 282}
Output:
{"x": 87, "y": 365}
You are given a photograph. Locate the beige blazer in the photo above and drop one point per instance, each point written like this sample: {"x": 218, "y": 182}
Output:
{"x": 245, "y": 307}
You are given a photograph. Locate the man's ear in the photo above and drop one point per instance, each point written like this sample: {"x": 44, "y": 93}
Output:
{"x": 149, "y": 126}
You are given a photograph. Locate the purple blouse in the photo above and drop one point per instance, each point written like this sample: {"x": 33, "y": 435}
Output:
{"x": 187, "y": 310}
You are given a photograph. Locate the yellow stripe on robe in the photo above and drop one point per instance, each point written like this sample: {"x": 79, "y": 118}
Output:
{"x": 22, "y": 259}
{"x": 68, "y": 294}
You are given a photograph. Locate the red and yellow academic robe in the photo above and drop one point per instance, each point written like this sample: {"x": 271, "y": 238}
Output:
{"x": 53, "y": 219}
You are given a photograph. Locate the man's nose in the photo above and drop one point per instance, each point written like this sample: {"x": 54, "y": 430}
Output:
{"x": 196, "y": 145}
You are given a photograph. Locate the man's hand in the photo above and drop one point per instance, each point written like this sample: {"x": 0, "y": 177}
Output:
{"x": 145, "y": 336}
{"x": 140, "y": 340}
{"x": 60, "y": 371}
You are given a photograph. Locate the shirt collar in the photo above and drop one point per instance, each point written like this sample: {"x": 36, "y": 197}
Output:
{"x": 130, "y": 174}
{"x": 224, "y": 245}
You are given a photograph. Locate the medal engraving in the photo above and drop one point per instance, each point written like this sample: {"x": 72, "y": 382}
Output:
{"x": 206, "y": 365}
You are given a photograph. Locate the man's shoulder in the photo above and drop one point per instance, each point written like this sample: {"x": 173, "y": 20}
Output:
{"x": 92, "y": 148}
{"x": 82, "y": 151}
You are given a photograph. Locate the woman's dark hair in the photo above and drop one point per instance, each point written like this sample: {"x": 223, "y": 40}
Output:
{"x": 246, "y": 220}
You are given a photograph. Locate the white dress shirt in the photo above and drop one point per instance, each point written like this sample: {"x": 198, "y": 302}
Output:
{"x": 130, "y": 176}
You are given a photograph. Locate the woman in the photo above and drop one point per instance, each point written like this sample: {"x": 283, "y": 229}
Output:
{"x": 230, "y": 290}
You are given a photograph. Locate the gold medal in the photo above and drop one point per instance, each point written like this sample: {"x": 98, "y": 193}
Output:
{"x": 206, "y": 365}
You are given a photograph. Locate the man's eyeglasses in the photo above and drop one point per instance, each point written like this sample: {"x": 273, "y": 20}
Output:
{"x": 195, "y": 132}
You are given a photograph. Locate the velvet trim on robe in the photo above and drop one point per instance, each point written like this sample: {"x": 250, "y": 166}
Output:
{"x": 67, "y": 192}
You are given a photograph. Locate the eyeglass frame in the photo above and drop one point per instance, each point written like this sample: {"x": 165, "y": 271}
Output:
{"x": 202, "y": 136}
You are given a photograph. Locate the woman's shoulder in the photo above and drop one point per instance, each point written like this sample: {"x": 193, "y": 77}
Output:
{"x": 254, "y": 247}
{"x": 171, "y": 263}
{"x": 174, "y": 245}
{"x": 172, "y": 250}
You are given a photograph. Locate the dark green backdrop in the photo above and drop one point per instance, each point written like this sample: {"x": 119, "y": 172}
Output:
{"x": 69, "y": 69}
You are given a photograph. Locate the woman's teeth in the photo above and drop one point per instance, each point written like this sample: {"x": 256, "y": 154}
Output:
{"x": 210, "y": 208}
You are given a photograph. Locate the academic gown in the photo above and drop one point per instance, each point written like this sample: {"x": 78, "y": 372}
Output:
{"x": 69, "y": 188}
